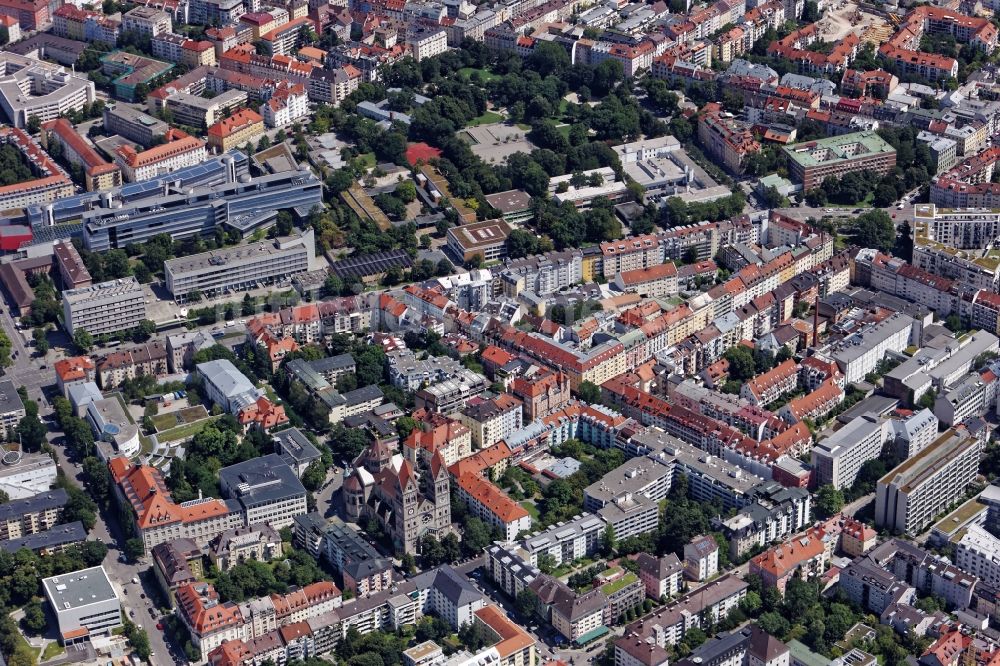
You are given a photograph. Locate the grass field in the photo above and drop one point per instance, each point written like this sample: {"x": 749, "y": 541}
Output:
{"x": 52, "y": 650}
{"x": 163, "y": 422}
{"x": 466, "y": 73}
{"x": 184, "y": 431}
{"x": 530, "y": 507}
{"x": 369, "y": 159}
{"x": 487, "y": 118}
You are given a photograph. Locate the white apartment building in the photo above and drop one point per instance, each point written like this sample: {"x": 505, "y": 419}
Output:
{"x": 427, "y": 42}
{"x": 630, "y": 651}
{"x": 859, "y": 354}
{"x": 910, "y": 496}
{"x": 964, "y": 266}
{"x": 701, "y": 558}
{"x": 408, "y": 372}
{"x": 565, "y": 541}
{"x": 915, "y": 433}
{"x": 631, "y": 515}
{"x": 978, "y": 553}
{"x": 288, "y": 103}
{"x": 629, "y": 254}
{"x": 11, "y": 409}
{"x": 838, "y": 458}
{"x": 147, "y": 21}
{"x": 543, "y": 274}
{"x": 958, "y": 365}
{"x": 493, "y": 420}
{"x": 653, "y": 282}
{"x": 970, "y": 397}
{"x": 106, "y": 307}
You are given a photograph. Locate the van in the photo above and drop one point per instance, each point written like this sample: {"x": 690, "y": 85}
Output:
{"x": 135, "y": 581}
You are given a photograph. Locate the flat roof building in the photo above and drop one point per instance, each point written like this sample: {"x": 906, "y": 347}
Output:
{"x": 295, "y": 449}
{"x": 26, "y": 474}
{"x": 909, "y": 497}
{"x": 84, "y": 603}
{"x": 811, "y": 162}
{"x": 133, "y": 124}
{"x": 107, "y": 307}
{"x": 11, "y": 409}
{"x": 838, "y": 458}
{"x": 513, "y": 205}
{"x": 239, "y": 204}
{"x": 240, "y": 268}
{"x": 266, "y": 488}
{"x": 487, "y": 239}
{"x": 30, "y": 87}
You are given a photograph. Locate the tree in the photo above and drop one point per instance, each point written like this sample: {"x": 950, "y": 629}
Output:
{"x": 546, "y": 563}
{"x": 445, "y": 267}
{"x": 608, "y": 541}
{"x": 83, "y": 340}
{"x": 875, "y": 229}
{"x": 138, "y": 639}
{"x": 134, "y": 549}
{"x": 406, "y": 191}
{"x": 144, "y": 331}
{"x": 774, "y": 623}
{"x": 34, "y": 617}
{"x": 475, "y": 536}
{"x": 829, "y": 501}
{"x": 452, "y": 548}
{"x": 526, "y": 603}
{"x": 34, "y": 124}
{"x": 41, "y": 341}
{"x": 741, "y": 363}
{"x": 589, "y": 392}
{"x": 5, "y": 349}
{"x": 31, "y": 432}
{"x": 751, "y": 603}
{"x": 314, "y": 476}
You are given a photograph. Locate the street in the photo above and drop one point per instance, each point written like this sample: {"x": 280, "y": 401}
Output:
{"x": 136, "y": 599}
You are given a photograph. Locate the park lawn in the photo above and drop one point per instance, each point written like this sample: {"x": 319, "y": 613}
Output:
{"x": 466, "y": 74}
{"x": 52, "y": 650}
{"x": 184, "y": 431}
{"x": 19, "y": 638}
{"x": 487, "y": 118}
{"x": 532, "y": 510}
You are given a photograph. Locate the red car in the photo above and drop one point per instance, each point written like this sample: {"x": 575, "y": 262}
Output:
{"x": 159, "y": 626}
